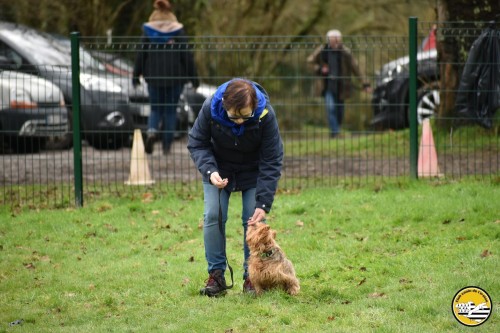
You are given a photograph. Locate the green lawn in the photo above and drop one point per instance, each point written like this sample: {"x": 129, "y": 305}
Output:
{"x": 384, "y": 258}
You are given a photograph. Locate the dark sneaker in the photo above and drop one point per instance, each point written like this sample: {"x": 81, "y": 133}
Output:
{"x": 150, "y": 142}
{"x": 215, "y": 284}
{"x": 248, "y": 287}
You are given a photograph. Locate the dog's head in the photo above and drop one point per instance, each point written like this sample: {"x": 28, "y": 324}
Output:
{"x": 260, "y": 237}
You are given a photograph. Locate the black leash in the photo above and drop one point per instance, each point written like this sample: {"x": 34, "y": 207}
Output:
{"x": 221, "y": 229}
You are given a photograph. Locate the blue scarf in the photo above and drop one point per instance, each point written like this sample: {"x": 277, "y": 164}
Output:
{"x": 220, "y": 115}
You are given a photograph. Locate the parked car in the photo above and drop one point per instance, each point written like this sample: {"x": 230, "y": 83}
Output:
{"x": 390, "y": 99}
{"x": 190, "y": 103}
{"x": 190, "y": 100}
{"x": 108, "y": 118}
{"x": 137, "y": 96}
{"x": 31, "y": 111}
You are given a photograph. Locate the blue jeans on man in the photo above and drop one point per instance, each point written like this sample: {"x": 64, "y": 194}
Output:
{"x": 163, "y": 102}
{"x": 213, "y": 238}
{"x": 335, "y": 112}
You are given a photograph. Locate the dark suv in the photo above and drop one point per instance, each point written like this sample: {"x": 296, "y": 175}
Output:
{"x": 106, "y": 113}
{"x": 391, "y": 94}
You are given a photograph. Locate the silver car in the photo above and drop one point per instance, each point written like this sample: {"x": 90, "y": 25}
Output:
{"x": 31, "y": 111}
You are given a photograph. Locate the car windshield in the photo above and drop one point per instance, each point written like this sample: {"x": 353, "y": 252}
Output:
{"x": 87, "y": 61}
{"x": 47, "y": 50}
{"x": 41, "y": 50}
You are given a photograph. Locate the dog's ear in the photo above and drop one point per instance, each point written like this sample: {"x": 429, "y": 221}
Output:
{"x": 273, "y": 233}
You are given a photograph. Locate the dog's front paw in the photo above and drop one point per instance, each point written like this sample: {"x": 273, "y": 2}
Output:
{"x": 293, "y": 290}
{"x": 258, "y": 291}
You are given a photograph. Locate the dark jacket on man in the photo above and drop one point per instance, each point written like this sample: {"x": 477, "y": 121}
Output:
{"x": 478, "y": 95}
{"x": 342, "y": 67}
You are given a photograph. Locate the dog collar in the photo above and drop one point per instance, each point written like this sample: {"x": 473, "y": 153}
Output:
{"x": 267, "y": 254}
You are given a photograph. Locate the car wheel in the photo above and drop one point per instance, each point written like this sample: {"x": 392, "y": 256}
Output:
{"x": 195, "y": 102}
{"x": 182, "y": 118}
{"x": 428, "y": 101}
{"x": 62, "y": 142}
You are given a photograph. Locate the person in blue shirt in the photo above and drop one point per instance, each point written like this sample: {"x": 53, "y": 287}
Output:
{"x": 166, "y": 63}
{"x": 236, "y": 145}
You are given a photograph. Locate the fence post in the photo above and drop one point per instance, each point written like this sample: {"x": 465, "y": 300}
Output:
{"x": 413, "y": 98}
{"x": 77, "y": 137}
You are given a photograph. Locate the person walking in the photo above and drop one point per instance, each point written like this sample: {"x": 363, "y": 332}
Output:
{"x": 236, "y": 145}
{"x": 166, "y": 63}
{"x": 335, "y": 63}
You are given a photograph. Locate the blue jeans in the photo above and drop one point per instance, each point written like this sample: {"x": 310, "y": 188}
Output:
{"x": 163, "y": 102}
{"x": 213, "y": 239}
{"x": 334, "y": 112}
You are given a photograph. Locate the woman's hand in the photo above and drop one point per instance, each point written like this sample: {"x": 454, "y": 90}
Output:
{"x": 258, "y": 216}
{"x": 217, "y": 181}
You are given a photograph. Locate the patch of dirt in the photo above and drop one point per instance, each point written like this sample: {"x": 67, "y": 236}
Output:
{"x": 114, "y": 166}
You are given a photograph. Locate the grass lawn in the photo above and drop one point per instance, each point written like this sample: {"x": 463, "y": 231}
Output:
{"x": 381, "y": 258}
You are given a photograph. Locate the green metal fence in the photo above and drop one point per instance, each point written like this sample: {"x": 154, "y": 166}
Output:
{"x": 381, "y": 131}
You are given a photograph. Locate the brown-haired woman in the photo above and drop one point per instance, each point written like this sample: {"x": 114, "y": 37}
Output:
{"x": 236, "y": 145}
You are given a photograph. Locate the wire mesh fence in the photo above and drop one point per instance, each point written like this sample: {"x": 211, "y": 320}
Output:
{"x": 374, "y": 141}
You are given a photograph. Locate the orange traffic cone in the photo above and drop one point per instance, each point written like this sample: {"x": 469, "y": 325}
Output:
{"x": 427, "y": 156}
{"x": 139, "y": 169}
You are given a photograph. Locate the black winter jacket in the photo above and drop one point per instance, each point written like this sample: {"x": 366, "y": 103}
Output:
{"x": 253, "y": 159}
{"x": 166, "y": 64}
{"x": 478, "y": 95}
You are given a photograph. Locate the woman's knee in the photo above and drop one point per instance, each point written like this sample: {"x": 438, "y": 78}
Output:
{"x": 211, "y": 219}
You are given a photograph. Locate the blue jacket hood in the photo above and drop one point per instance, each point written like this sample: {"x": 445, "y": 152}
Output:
{"x": 219, "y": 113}
{"x": 162, "y": 32}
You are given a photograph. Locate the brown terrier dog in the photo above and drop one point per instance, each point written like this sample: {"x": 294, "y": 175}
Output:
{"x": 267, "y": 266}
